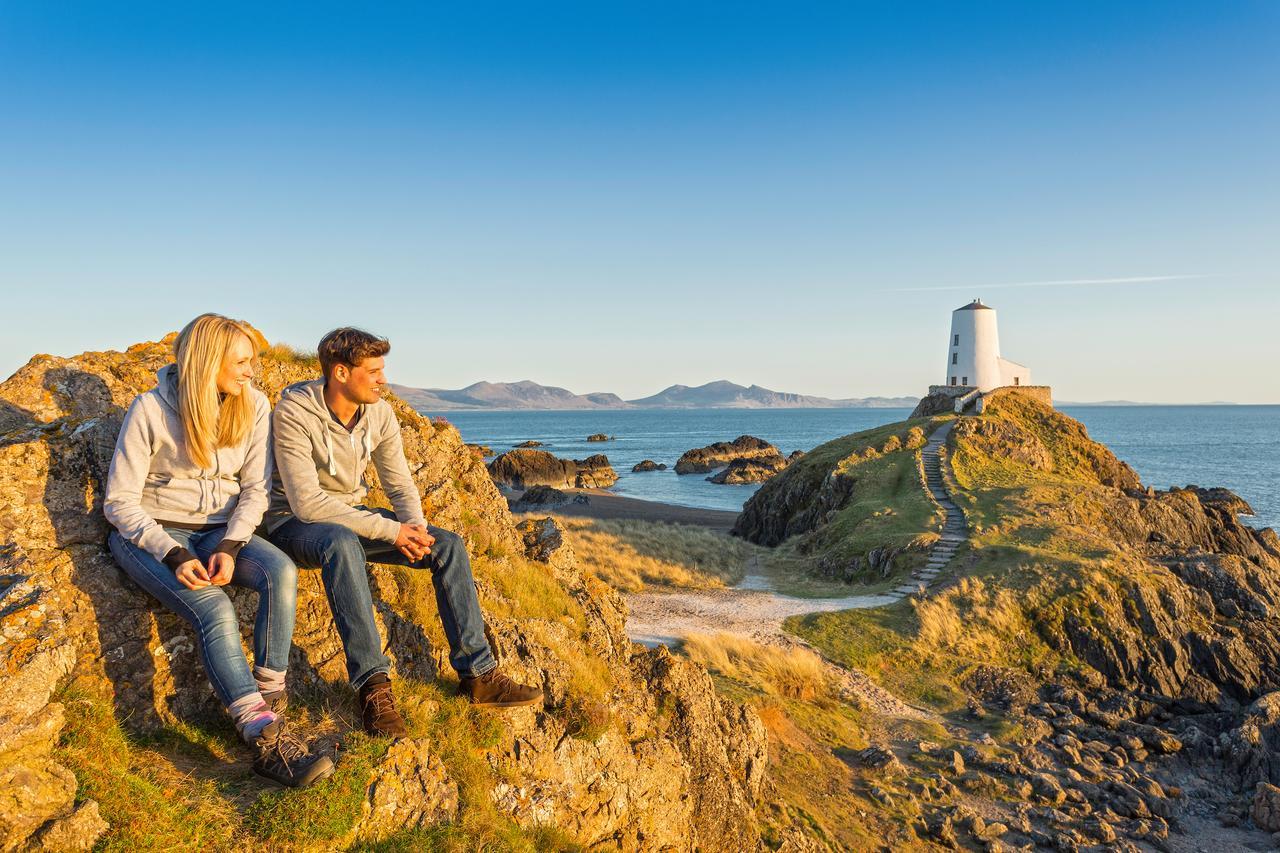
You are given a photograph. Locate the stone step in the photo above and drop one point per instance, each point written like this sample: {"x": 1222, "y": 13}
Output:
{"x": 908, "y": 590}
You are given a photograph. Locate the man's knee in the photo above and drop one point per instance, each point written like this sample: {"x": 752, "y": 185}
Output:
{"x": 341, "y": 549}
{"x": 448, "y": 544}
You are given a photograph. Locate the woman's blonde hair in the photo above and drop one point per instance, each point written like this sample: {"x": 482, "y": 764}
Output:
{"x": 201, "y": 349}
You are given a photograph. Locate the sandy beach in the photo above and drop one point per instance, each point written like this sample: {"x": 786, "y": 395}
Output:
{"x": 606, "y": 505}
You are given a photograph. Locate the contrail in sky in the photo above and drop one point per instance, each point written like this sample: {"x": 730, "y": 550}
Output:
{"x": 1137, "y": 279}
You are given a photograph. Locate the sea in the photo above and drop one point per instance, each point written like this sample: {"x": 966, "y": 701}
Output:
{"x": 1233, "y": 446}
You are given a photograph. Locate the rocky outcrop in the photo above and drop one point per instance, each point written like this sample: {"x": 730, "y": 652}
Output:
{"x": 530, "y": 443}
{"x": 599, "y": 436}
{"x": 523, "y": 469}
{"x": 702, "y": 460}
{"x": 810, "y": 492}
{"x": 755, "y": 470}
{"x": 675, "y": 767}
{"x": 648, "y": 465}
{"x": 537, "y": 497}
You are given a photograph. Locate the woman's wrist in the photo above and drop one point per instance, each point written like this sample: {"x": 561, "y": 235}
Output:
{"x": 231, "y": 547}
{"x": 177, "y": 556}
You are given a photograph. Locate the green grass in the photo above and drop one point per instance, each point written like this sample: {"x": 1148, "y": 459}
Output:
{"x": 887, "y": 505}
{"x": 327, "y": 810}
{"x": 148, "y": 802}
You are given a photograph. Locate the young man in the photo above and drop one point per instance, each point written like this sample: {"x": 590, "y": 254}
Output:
{"x": 325, "y": 433}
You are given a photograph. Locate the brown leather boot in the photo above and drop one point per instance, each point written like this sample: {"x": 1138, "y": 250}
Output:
{"x": 378, "y": 712}
{"x": 495, "y": 690}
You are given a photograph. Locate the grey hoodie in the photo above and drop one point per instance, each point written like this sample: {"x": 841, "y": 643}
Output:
{"x": 320, "y": 467}
{"x": 152, "y": 477}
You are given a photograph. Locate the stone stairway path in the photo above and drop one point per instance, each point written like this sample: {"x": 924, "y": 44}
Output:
{"x": 955, "y": 531}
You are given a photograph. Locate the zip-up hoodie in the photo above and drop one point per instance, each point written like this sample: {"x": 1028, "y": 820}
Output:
{"x": 152, "y": 476}
{"x": 320, "y": 467}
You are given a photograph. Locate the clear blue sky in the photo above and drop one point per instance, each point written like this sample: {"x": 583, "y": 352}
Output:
{"x": 617, "y": 197}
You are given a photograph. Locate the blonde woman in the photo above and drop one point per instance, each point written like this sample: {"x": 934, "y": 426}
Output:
{"x": 187, "y": 488}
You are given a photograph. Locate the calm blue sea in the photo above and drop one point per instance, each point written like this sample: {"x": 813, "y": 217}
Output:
{"x": 1233, "y": 446}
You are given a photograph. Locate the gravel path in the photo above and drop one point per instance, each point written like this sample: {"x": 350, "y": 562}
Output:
{"x": 753, "y": 610}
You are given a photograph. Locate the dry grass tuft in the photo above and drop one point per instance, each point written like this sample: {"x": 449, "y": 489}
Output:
{"x": 972, "y": 620}
{"x": 785, "y": 673}
{"x": 630, "y": 555}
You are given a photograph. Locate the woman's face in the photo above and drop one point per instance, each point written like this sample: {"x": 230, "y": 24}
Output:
{"x": 237, "y": 367}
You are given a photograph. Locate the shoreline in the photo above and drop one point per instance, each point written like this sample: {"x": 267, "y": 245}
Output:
{"x": 607, "y": 506}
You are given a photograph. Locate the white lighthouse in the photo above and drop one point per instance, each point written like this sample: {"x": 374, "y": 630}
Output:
{"x": 973, "y": 353}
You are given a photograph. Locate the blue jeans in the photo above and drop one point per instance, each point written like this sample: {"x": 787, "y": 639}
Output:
{"x": 341, "y": 554}
{"x": 260, "y": 566}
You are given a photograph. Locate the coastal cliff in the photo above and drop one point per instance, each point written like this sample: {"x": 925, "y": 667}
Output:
{"x": 109, "y": 732}
{"x": 1119, "y": 641}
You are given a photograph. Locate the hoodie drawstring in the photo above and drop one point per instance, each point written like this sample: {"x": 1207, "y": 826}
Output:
{"x": 328, "y": 449}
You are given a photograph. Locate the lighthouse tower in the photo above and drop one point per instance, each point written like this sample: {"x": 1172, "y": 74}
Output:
{"x": 973, "y": 352}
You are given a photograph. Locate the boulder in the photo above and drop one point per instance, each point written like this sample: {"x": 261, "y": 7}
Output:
{"x": 648, "y": 465}
{"x": 530, "y": 443}
{"x": 599, "y": 436}
{"x": 540, "y": 496}
{"x": 523, "y": 469}
{"x": 754, "y": 470}
{"x": 702, "y": 460}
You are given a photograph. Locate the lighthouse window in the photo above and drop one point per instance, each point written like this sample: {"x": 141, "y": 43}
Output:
{"x": 953, "y": 380}
{"x": 1017, "y": 380}
{"x": 957, "y": 341}
{"x": 964, "y": 380}
{"x": 954, "y": 357}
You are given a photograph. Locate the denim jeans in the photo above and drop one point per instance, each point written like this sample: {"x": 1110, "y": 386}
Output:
{"x": 341, "y": 554}
{"x": 260, "y": 566}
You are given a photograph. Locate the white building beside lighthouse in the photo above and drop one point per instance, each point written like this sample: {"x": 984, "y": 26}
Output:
{"x": 973, "y": 353}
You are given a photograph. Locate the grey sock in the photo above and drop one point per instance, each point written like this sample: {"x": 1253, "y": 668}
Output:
{"x": 269, "y": 680}
{"x": 251, "y": 715}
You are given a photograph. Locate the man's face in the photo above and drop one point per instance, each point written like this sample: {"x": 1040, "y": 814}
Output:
{"x": 362, "y": 383}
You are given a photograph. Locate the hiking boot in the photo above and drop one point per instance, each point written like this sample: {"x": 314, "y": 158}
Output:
{"x": 495, "y": 690}
{"x": 284, "y": 759}
{"x": 278, "y": 702}
{"x": 378, "y": 711}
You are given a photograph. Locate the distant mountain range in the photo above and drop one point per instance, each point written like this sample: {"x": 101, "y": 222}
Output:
{"x": 713, "y": 395}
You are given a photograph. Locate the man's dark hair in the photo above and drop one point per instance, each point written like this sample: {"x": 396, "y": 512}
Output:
{"x": 349, "y": 346}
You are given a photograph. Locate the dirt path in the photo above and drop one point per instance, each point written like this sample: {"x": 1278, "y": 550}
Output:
{"x": 753, "y": 610}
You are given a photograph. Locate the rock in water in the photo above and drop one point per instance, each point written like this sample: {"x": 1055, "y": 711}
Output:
{"x": 648, "y": 465}
{"x": 754, "y": 470}
{"x": 523, "y": 469}
{"x": 704, "y": 459}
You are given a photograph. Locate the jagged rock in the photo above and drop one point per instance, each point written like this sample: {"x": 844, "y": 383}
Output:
{"x": 938, "y": 826}
{"x": 78, "y": 831}
{"x": 523, "y": 469}
{"x": 484, "y": 451}
{"x": 880, "y": 760}
{"x": 536, "y": 497}
{"x": 599, "y": 436}
{"x": 704, "y": 459}
{"x": 411, "y": 789}
{"x": 648, "y": 465}
{"x": 754, "y": 470}
{"x": 1048, "y": 789}
{"x": 529, "y": 444}
{"x": 1265, "y": 809}
{"x": 683, "y": 777}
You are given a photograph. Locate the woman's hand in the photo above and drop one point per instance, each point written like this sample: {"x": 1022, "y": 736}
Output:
{"x": 193, "y": 575}
{"x": 221, "y": 567}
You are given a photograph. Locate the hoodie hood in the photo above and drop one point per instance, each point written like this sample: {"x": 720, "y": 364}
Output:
{"x": 167, "y": 385}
